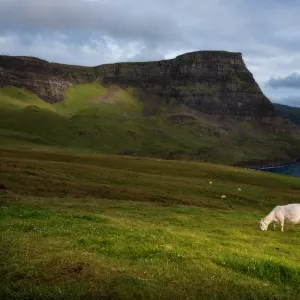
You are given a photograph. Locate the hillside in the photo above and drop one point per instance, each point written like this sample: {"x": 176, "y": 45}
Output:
{"x": 288, "y": 112}
{"x": 203, "y": 106}
{"x": 115, "y": 227}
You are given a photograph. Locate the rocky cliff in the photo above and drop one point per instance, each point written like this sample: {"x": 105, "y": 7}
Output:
{"x": 213, "y": 82}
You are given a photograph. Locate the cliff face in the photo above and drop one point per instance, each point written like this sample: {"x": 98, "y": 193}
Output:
{"x": 213, "y": 82}
{"x": 48, "y": 80}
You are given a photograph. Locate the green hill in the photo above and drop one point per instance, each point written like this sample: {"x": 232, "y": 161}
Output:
{"x": 110, "y": 120}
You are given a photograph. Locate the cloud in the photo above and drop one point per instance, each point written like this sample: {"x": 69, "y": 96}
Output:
{"x": 93, "y": 32}
{"x": 290, "y": 81}
{"x": 61, "y": 49}
{"x": 118, "y": 18}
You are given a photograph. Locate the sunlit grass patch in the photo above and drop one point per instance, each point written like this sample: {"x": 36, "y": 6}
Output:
{"x": 93, "y": 98}
{"x": 263, "y": 269}
{"x": 13, "y": 97}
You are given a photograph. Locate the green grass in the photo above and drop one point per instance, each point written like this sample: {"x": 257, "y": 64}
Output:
{"x": 236, "y": 79}
{"x": 79, "y": 98}
{"x": 200, "y": 87}
{"x": 87, "y": 98}
{"x": 115, "y": 227}
{"x": 247, "y": 125}
{"x": 16, "y": 98}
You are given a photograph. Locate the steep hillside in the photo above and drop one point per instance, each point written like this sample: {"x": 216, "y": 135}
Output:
{"x": 201, "y": 106}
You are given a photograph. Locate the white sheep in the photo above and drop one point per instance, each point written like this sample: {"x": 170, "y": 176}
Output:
{"x": 210, "y": 182}
{"x": 239, "y": 189}
{"x": 223, "y": 197}
{"x": 289, "y": 214}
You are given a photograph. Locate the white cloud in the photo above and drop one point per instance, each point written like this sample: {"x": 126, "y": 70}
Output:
{"x": 58, "y": 48}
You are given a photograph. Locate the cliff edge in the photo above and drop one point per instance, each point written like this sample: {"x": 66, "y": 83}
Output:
{"x": 212, "y": 82}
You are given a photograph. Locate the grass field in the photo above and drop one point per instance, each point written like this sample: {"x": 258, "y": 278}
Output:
{"x": 115, "y": 227}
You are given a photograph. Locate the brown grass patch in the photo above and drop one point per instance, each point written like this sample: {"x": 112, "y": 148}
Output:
{"x": 109, "y": 97}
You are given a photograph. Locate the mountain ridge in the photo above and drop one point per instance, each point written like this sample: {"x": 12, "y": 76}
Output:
{"x": 213, "y": 82}
{"x": 288, "y": 112}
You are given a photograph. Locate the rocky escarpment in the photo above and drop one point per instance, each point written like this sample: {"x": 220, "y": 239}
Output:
{"x": 213, "y": 82}
{"x": 48, "y": 80}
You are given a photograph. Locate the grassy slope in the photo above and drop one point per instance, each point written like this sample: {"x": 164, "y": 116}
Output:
{"x": 16, "y": 98}
{"x": 82, "y": 123}
{"x": 113, "y": 227}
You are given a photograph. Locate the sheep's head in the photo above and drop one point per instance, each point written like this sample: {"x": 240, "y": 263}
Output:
{"x": 263, "y": 225}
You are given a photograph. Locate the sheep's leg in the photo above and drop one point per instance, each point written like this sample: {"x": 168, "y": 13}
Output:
{"x": 282, "y": 223}
{"x": 274, "y": 225}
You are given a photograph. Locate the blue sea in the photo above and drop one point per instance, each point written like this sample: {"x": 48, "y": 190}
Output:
{"x": 290, "y": 169}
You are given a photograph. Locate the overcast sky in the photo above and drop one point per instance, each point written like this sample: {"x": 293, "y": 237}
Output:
{"x": 93, "y": 32}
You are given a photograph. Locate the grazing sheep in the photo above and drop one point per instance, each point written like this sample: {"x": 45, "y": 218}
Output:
{"x": 239, "y": 189}
{"x": 223, "y": 196}
{"x": 210, "y": 182}
{"x": 289, "y": 214}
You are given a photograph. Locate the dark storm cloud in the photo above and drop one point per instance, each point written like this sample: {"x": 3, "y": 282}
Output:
{"x": 290, "y": 81}
{"x": 236, "y": 25}
{"x": 122, "y": 19}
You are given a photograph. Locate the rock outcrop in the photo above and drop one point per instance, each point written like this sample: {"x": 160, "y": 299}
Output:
{"x": 213, "y": 82}
{"x": 48, "y": 80}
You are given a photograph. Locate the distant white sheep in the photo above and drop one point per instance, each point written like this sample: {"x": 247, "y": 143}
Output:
{"x": 289, "y": 214}
{"x": 223, "y": 197}
{"x": 210, "y": 182}
{"x": 239, "y": 189}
